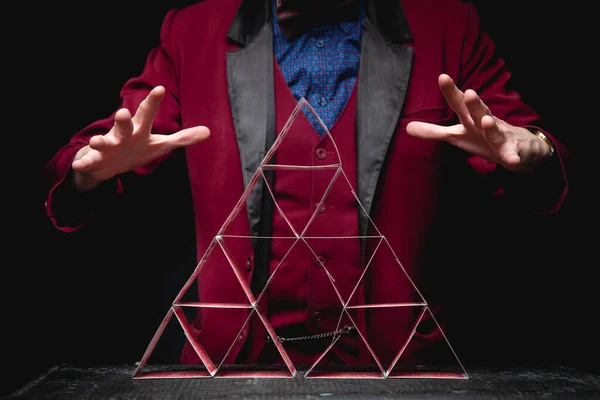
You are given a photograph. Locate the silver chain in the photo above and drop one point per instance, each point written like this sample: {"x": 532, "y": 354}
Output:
{"x": 341, "y": 331}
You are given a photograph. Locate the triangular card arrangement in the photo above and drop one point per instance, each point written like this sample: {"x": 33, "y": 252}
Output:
{"x": 396, "y": 313}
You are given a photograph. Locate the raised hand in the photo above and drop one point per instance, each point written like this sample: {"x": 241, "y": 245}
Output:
{"x": 480, "y": 133}
{"x": 130, "y": 144}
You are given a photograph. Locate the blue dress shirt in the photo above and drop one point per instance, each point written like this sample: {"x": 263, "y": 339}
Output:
{"x": 321, "y": 66}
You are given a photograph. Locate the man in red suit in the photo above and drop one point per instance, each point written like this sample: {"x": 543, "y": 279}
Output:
{"x": 431, "y": 113}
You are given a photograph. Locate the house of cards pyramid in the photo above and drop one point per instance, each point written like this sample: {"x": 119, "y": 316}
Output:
{"x": 368, "y": 338}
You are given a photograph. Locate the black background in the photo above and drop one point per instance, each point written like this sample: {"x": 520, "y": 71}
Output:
{"x": 98, "y": 296}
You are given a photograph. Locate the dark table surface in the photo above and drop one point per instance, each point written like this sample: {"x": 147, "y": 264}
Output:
{"x": 115, "y": 382}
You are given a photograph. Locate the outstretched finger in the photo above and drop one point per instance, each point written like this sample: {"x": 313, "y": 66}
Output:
{"x": 477, "y": 108}
{"x": 509, "y": 155}
{"x": 99, "y": 143}
{"x": 81, "y": 165}
{"x": 87, "y": 162}
{"x": 492, "y": 132}
{"x": 455, "y": 98}
{"x": 148, "y": 109}
{"x": 123, "y": 124}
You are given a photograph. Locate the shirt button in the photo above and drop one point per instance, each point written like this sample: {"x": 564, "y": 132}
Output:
{"x": 241, "y": 338}
{"x": 319, "y": 317}
{"x": 320, "y": 43}
{"x": 322, "y": 101}
{"x": 320, "y": 261}
{"x": 323, "y": 208}
{"x": 249, "y": 262}
{"x": 321, "y": 153}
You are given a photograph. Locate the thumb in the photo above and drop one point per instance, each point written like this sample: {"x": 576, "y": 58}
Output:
{"x": 189, "y": 136}
{"x": 425, "y": 130}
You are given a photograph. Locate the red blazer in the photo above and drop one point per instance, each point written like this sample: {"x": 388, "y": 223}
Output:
{"x": 215, "y": 60}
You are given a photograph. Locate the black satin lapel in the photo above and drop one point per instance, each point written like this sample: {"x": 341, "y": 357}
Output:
{"x": 252, "y": 96}
{"x": 382, "y": 83}
{"x": 249, "y": 20}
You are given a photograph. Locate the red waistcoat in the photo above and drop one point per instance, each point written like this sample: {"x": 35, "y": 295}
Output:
{"x": 300, "y": 292}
